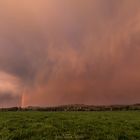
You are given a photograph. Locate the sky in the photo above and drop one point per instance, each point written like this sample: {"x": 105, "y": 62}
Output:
{"x": 55, "y": 52}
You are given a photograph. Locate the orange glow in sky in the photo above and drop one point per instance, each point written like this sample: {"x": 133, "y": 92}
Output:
{"x": 69, "y": 52}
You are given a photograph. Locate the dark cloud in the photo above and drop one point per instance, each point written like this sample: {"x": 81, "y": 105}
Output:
{"x": 8, "y": 99}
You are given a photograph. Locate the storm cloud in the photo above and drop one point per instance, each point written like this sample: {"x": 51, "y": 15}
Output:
{"x": 70, "y": 51}
{"x": 7, "y": 99}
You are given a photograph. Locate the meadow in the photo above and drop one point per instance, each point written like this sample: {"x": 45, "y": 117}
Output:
{"x": 35, "y": 125}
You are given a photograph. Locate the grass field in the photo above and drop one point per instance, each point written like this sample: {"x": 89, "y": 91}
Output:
{"x": 70, "y": 125}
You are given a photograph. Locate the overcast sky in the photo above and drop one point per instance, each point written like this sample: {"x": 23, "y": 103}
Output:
{"x": 55, "y": 52}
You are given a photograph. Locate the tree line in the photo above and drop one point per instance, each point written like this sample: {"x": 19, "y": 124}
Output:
{"x": 76, "y": 107}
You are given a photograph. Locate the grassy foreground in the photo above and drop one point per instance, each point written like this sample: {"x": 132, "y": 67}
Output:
{"x": 70, "y": 125}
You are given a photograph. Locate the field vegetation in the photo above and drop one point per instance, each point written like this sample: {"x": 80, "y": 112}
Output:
{"x": 38, "y": 125}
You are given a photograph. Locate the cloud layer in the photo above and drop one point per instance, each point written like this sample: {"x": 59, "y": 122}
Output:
{"x": 65, "y": 52}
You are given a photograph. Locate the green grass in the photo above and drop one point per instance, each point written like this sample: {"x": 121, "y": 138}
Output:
{"x": 70, "y": 125}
